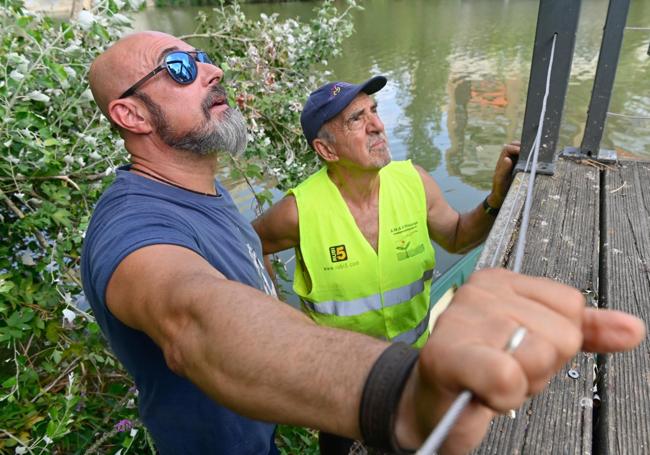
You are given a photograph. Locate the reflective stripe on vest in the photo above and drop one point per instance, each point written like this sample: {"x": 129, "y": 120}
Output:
{"x": 412, "y": 335}
{"x": 372, "y": 302}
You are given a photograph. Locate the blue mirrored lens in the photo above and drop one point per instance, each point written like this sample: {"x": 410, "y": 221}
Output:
{"x": 203, "y": 58}
{"x": 181, "y": 67}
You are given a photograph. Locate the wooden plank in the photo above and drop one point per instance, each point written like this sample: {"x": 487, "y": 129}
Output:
{"x": 562, "y": 244}
{"x": 624, "y": 417}
{"x": 499, "y": 243}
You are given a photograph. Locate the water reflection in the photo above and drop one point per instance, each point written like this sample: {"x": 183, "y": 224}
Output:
{"x": 458, "y": 73}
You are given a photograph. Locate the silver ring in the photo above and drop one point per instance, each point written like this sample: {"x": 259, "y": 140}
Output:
{"x": 515, "y": 340}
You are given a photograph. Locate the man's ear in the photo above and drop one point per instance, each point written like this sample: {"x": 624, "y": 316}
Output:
{"x": 130, "y": 116}
{"x": 325, "y": 150}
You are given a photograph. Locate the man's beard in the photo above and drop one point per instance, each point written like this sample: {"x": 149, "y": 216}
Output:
{"x": 382, "y": 157}
{"x": 226, "y": 134}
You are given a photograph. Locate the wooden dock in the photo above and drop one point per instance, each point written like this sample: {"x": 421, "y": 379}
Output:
{"x": 589, "y": 228}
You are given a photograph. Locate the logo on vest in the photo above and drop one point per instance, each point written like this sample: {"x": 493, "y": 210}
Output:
{"x": 338, "y": 253}
{"x": 405, "y": 250}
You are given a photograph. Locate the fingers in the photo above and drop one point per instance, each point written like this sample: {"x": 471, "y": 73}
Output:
{"x": 502, "y": 174}
{"x": 611, "y": 331}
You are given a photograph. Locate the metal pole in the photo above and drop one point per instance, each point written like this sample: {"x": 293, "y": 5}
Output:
{"x": 554, "y": 17}
{"x": 610, "y": 49}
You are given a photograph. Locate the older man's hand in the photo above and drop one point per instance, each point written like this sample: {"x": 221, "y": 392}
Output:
{"x": 503, "y": 173}
{"x": 466, "y": 351}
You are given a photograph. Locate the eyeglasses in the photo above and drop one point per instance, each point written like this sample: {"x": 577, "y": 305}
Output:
{"x": 180, "y": 65}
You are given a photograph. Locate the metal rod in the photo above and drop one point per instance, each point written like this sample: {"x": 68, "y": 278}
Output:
{"x": 521, "y": 240}
{"x": 610, "y": 49}
{"x": 439, "y": 434}
{"x": 555, "y": 17}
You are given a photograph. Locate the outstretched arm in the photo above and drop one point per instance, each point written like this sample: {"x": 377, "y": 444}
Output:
{"x": 262, "y": 359}
{"x": 457, "y": 232}
{"x": 278, "y": 226}
{"x": 267, "y": 361}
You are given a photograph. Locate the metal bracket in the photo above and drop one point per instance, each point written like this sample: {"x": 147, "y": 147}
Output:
{"x": 604, "y": 155}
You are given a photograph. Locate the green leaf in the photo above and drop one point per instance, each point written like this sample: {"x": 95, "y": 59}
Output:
{"x": 5, "y": 287}
{"x": 62, "y": 217}
{"x": 9, "y": 383}
{"x": 50, "y": 142}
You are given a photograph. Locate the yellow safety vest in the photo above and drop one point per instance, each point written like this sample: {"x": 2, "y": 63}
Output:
{"x": 340, "y": 278}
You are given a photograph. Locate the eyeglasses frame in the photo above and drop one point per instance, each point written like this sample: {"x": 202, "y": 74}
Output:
{"x": 163, "y": 66}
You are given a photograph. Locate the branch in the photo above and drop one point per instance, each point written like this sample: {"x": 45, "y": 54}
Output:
{"x": 219, "y": 35}
{"x": 24, "y": 178}
{"x": 21, "y": 215}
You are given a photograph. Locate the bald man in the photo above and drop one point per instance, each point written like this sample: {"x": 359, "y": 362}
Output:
{"x": 175, "y": 280}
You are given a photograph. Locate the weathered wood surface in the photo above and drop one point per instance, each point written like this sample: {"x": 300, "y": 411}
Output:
{"x": 624, "y": 418}
{"x": 562, "y": 244}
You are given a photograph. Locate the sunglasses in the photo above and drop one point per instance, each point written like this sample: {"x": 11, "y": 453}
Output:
{"x": 180, "y": 65}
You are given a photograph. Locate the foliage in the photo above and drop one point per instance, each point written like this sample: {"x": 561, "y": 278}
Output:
{"x": 269, "y": 65}
{"x": 61, "y": 390}
{"x": 295, "y": 440}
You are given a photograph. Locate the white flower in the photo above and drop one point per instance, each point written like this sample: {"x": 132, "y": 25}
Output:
{"x": 38, "y": 96}
{"x": 120, "y": 19}
{"x": 94, "y": 155}
{"x": 71, "y": 48}
{"x": 69, "y": 71}
{"x": 27, "y": 259}
{"x": 87, "y": 95}
{"x": 68, "y": 317}
{"x": 47, "y": 440}
{"x": 20, "y": 450}
{"x": 86, "y": 19}
{"x": 13, "y": 160}
{"x": 135, "y": 4}
{"x": 16, "y": 76}
{"x": 133, "y": 432}
{"x": 69, "y": 159}
{"x": 90, "y": 139}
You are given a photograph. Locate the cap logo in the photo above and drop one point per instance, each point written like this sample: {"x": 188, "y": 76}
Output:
{"x": 336, "y": 90}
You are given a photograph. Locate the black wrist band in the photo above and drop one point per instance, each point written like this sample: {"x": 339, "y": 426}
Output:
{"x": 381, "y": 394}
{"x": 489, "y": 209}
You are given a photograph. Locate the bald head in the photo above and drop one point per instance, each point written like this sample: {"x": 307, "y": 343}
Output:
{"x": 123, "y": 64}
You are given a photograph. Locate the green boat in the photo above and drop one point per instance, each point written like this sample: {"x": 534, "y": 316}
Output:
{"x": 443, "y": 289}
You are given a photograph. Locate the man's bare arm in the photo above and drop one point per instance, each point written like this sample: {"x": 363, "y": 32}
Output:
{"x": 269, "y": 362}
{"x": 278, "y": 226}
{"x": 457, "y": 232}
{"x": 261, "y": 359}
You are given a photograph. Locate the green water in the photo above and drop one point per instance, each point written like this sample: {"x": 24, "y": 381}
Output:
{"x": 458, "y": 73}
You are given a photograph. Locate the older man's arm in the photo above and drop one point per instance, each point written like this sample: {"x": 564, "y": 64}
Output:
{"x": 457, "y": 232}
{"x": 278, "y": 226}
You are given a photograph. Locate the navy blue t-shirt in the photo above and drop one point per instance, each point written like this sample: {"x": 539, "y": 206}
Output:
{"x": 135, "y": 212}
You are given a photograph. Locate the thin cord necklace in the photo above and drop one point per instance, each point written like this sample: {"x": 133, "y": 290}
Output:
{"x": 168, "y": 182}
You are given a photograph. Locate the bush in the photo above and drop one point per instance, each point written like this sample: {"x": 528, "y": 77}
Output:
{"x": 61, "y": 390}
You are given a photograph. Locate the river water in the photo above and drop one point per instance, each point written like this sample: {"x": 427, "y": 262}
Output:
{"x": 458, "y": 73}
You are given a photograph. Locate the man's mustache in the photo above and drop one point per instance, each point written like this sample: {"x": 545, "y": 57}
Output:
{"x": 217, "y": 94}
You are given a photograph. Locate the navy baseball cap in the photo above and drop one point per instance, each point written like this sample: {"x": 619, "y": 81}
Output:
{"x": 328, "y": 101}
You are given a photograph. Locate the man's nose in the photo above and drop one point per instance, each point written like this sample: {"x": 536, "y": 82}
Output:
{"x": 375, "y": 125}
{"x": 212, "y": 73}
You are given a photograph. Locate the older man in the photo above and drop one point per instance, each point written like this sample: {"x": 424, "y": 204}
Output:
{"x": 174, "y": 277}
{"x": 362, "y": 225}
